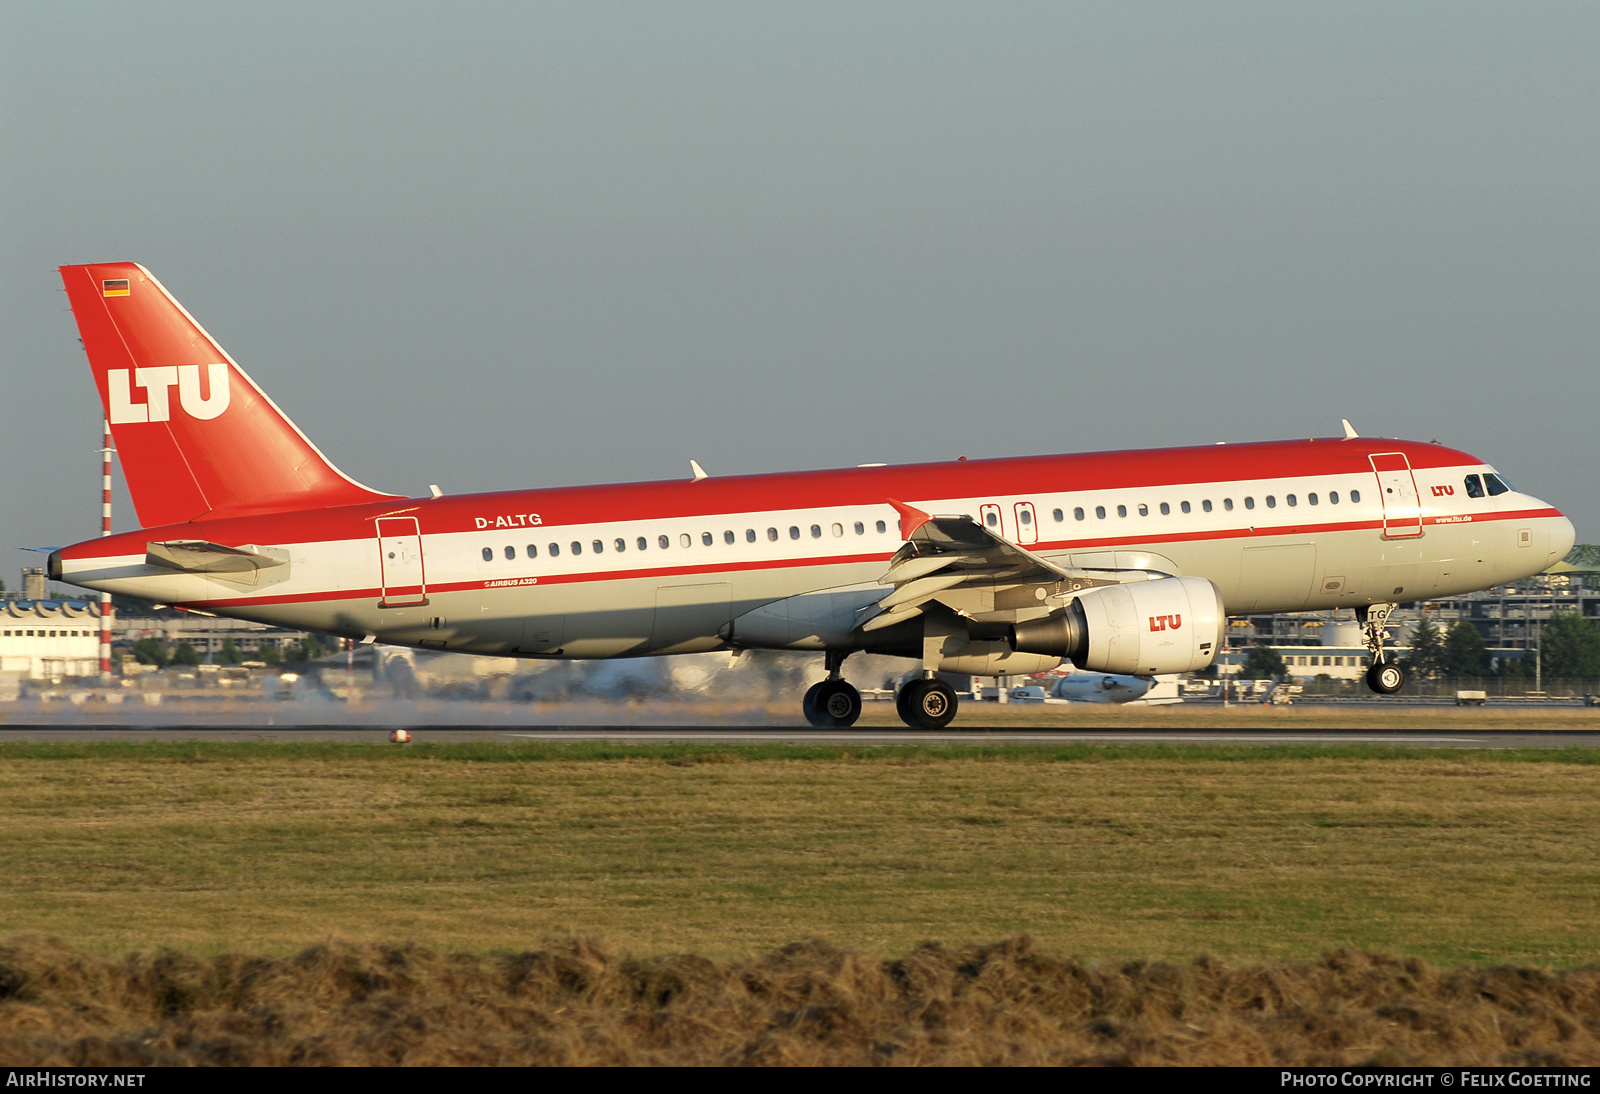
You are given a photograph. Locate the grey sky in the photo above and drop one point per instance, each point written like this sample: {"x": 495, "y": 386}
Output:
{"x": 500, "y": 246}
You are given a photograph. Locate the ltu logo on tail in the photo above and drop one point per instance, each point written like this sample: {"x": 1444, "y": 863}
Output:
{"x": 157, "y": 383}
{"x": 1165, "y": 622}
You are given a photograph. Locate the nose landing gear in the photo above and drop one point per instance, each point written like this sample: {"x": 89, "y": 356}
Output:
{"x": 1384, "y": 677}
{"x": 833, "y": 703}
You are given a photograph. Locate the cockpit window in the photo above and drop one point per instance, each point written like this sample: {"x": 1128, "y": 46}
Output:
{"x": 1474, "y": 486}
{"x": 1496, "y": 485}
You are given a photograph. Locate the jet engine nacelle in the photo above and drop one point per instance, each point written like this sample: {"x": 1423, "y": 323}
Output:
{"x": 1172, "y": 624}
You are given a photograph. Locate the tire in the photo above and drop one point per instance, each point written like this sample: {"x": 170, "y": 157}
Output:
{"x": 837, "y": 703}
{"x": 928, "y": 704}
{"x": 1386, "y": 677}
{"x": 812, "y": 711}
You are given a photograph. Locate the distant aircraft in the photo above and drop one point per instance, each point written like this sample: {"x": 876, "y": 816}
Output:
{"x": 1120, "y": 562}
{"x": 1097, "y": 687}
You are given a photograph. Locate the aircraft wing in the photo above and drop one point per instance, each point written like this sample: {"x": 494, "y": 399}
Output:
{"x": 955, "y": 561}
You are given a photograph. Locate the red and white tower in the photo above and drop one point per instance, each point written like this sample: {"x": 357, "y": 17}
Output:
{"x": 105, "y": 530}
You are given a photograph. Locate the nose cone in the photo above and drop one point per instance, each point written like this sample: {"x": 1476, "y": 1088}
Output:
{"x": 1562, "y": 536}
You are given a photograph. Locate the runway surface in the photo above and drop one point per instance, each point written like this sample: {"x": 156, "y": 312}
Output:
{"x": 877, "y": 737}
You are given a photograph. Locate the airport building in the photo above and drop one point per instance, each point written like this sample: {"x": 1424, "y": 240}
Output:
{"x": 55, "y": 639}
{"x": 46, "y": 639}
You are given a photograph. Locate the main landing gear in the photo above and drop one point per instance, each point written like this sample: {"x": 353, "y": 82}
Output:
{"x": 1384, "y": 677}
{"x": 925, "y": 703}
{"x": 834, "y": 703}
{"x": 928, "y": 703}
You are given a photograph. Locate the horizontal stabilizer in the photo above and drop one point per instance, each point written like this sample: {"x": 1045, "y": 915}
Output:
{"x": 196, "y": 556}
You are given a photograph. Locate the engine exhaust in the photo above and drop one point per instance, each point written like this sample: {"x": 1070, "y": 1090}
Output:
{"x": 1063, "y": 633}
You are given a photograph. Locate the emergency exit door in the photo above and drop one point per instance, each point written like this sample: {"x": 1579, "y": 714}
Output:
{"x": 1027, "y": 525}
{"x": 400, "y": 562}
{"x": 1397, "y": 491}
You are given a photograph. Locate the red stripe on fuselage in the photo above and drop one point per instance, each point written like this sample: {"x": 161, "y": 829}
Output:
{"x": 1174, "y": 468}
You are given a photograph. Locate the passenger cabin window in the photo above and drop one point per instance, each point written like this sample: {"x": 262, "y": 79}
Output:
{"x": 1496, "y": 485}
{"x": 1272, "y": 502}
{"x": 511, "y": 553}
{"x": 1291, "y": 500}
{"x": 838, "y": 530}
{"x": 1474, "y": 486}
{"x": 621, "y": 545}
{"x": 882, "y": 527}
{"x": 749, "y": 535}
{"x": 643, "y": 544}
{"x": 663, "y": 542}
{"x": 1026, "y": 517}
{"x": 1077, "y": 514}
{"x": 816, "y": 531}
{"x": 684, "y": 539}
{"x": 861, "y": 529}
{"x": 488, "y": 554}
{"x": 991, "y": 519}
{"x": 1144, "y": 510}
{"x": 772, "y": 534}
{"x": 727, "y": 536}
{"x": 1184, "y": 506}
{"x": 1122, "y": 510}
{"x": 705, "y": 537}
{"x": 1059, "y": 516}
{"x": 1227, "y": 504}
{"x": 1206, "y": 505}
{"x": 1249, "y": 503}
{"x": 1166, "y": 510}
{"x": 1099, "y": 512}
{"x": 1355, "y": 497}
{"x": 555, "y": 549}
{"x": 794, "y": 531}
{"x": 1311, "y": 499}
{"x": 1333, "y": 497}
{"x": 598, "y": 545}
{"x": 577, "y": 548}
{"x": 533, "y": 550}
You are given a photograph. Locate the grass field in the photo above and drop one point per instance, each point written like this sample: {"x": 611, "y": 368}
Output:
{"x": 596, "y": 903}
{"x": 1249, "y": 853}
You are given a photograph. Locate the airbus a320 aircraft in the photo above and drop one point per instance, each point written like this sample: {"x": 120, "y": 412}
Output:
{"x": 1121, "y": 562}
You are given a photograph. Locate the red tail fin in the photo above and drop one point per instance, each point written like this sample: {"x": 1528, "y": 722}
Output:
{"x": 195, "y": 434}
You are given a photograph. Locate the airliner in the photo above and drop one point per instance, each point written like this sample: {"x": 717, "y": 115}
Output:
{"x": 1119, "y": 562}
{"x": 1093, "y": 687}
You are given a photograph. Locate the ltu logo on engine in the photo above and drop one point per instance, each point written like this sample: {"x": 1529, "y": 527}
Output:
{"x": 157, "y": 383}
{"x": 1165, "y": 622}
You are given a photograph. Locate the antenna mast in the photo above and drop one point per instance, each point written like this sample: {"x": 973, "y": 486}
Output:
{"x": 105, "y": 530}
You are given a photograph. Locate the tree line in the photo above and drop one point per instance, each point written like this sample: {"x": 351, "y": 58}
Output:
{"x": 153, "y": 651}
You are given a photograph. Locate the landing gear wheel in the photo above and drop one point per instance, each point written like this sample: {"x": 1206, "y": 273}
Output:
{"x": 927, "y": 704}
{"x": 832, "y": 704}
{"x": 1386, "y": 677}
{"x": 809, "y": 706}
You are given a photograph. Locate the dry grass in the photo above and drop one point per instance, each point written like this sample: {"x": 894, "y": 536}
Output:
{"x": 583, "y": 1003}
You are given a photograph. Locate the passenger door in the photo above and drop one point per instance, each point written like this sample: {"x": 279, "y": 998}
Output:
{"x": 1397, "y": 490}
{"x": 400, "y": 562}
